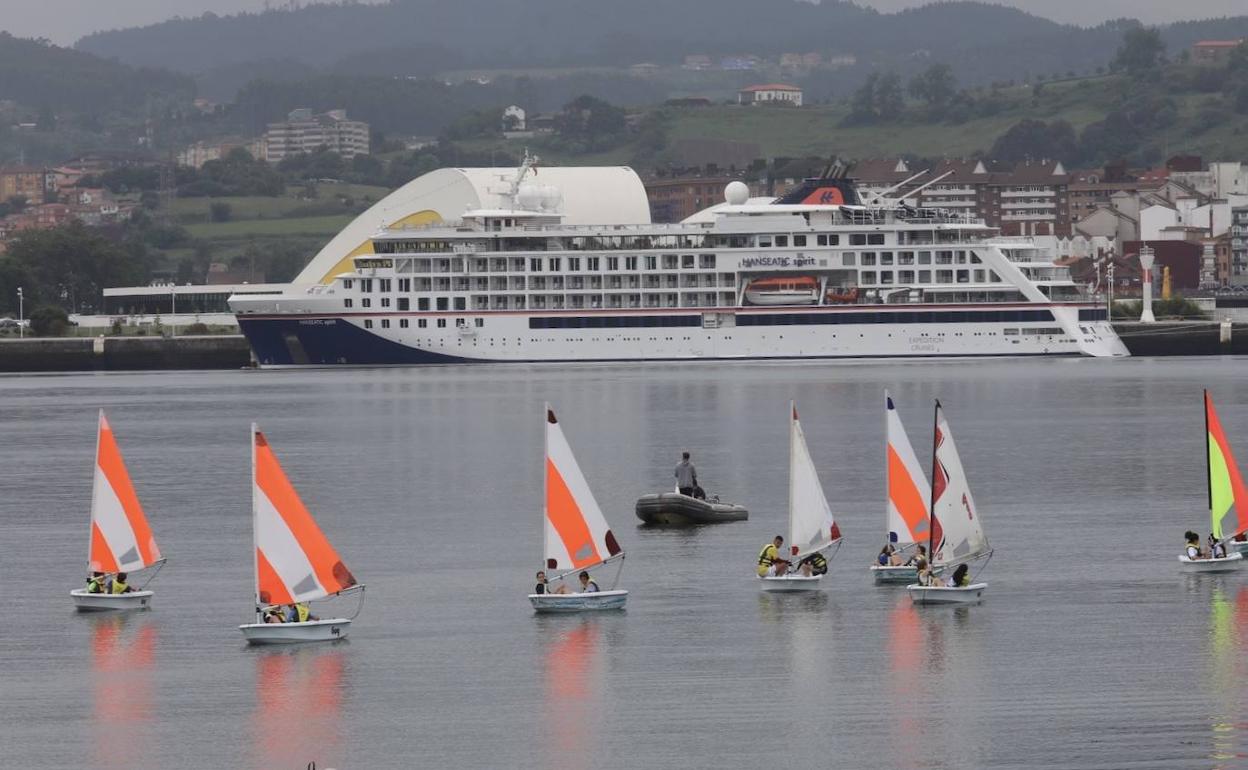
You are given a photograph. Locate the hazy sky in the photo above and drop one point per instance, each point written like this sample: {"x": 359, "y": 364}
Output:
{"x": 64, "y": 21}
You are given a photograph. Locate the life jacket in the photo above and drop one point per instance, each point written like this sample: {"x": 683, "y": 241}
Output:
{"x": 95, "y": 585}
{"x": 301, "y": 613}
{"x": 766, "y": 557}
{"x": 119, "y": 587}
{"x": 818, "y": 564}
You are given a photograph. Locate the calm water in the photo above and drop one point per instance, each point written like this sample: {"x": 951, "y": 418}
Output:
{"x": 1090, "y": 649}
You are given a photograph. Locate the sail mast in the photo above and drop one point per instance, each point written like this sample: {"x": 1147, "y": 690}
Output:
{"x": 1209, "y": 464}
{"x": 931, "y": 506}
{"x": 95, "y": 485}
{"x": 547, "y": 418}
{"x": 887, "y": 489}
{"x": 255, "y": 523}
{"x": 792, "y": 473}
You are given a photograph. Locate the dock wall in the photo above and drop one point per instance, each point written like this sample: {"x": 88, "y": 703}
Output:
{"x": 71, "y": 354}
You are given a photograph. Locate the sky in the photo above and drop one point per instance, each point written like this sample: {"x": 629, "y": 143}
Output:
{"x": 64, "y": 21}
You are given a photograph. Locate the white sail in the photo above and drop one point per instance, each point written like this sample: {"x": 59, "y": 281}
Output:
{"x": 121, "y": 538}
{"x": 811, "y": 524}
{"x": 957, "y": 531}
{"x": 577, "y": 535}
{"x": 909, "y": 496}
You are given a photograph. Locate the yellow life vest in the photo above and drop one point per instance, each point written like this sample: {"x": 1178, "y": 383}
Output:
{"x": 301, "y": 613}
{"x": 119, "y": 587}
{"x": 95, "y": 585}
{"x": 767, "y": 556}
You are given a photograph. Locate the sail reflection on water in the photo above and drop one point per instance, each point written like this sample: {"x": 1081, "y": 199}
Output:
{"x": 574, "y": 693}
{"x": 298, "y": 715}
{"x": 122, "y": 656}
{"x": 1228, "y": 630}
{"x": 907, "y": 664}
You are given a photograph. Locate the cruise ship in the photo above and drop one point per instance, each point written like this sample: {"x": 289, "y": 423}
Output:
{"x": 818, "y": 273}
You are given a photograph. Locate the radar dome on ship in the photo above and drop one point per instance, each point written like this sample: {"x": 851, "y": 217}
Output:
{"x": 529, "y": 196}
{"x": 736, "y": 193}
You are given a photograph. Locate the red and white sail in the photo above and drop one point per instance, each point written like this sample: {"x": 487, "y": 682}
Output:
{"x": 812, "y": 527}
{"x": 294, "y": 560}
{"x": 576, "y": 533}
{"x": 957, "y": 532}
{"x": 121, "y": 539}
{"x": 909, "y": 496}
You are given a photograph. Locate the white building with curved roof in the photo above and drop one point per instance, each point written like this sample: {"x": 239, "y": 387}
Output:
{"x": 601, "y": 195}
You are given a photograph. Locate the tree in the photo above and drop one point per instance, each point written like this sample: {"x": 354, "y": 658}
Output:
{"x": 1036, "y": 140}
{"x": 935, "y": 86}
{"x": 49, "y": 321}
{"x": 220, "y": 211}
{"x": 1142, "y": 51}
{"x": 591, "y": 119}
{"x": 890, "y": 101}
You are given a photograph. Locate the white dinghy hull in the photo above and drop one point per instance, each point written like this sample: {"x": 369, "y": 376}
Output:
{"x": 1229, "y": 563}
{"x": 588, "y": 602}
{"x": 326, "y": 630}
{"x": 894, "y": 574}
{"x": 972, "y": 594}
{"x": 89, "y": 602}
{"x": 791, "y": 583}
{"x": 1239, "y": 546}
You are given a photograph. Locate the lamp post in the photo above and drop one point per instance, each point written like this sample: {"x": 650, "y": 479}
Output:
{"x": 21, "y": 313}
{"x": 173, "y": 325}
{"x": 1146, "y": 262}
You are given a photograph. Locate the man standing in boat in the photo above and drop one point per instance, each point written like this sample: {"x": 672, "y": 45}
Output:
{"x": 686, "y": 477}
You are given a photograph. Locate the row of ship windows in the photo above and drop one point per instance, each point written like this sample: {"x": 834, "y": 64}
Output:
{"x": 639, "y": 242}
{"x": 423, "y": 323}
{"x": 649, "y": 262}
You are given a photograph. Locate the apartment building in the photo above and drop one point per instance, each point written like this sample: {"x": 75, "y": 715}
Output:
{"x": 1028, "y": 199}
{"x": 303, "y": 131}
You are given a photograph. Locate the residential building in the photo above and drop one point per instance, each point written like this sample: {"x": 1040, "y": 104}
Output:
{"x": 1214, "y": 52}
{"x": 1184, "y": 258}
{"x": 771, "y": 93}
{"x": 1238, "y": 268}
{"x": 196, "y": 155}
{"x": 698, "y": 62}
{"x": 1028, "y": 199}
{"x": 26, "y": 182}
{"x": 304, "y": 131}
{"x": 513, "y": 118}
{"x": 672, "y": 199}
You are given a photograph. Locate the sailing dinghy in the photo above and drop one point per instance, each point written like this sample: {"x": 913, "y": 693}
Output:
{"x": 577, "y": 537}
{"x": 957, "y": 534}
{"x": 812, "y": 528}
{"x": 906, "y": 511}
{"x": 294, "y": 562}
{"x": 1228, "y": 497}
{"x": 121, "y": 540}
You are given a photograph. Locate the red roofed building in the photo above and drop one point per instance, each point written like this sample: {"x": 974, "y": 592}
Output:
{"x": 770, "y": 93}
{"x": 1214, "y": 51}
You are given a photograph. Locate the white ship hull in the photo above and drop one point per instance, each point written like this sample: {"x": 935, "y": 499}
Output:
{"x": 322, "y": 339}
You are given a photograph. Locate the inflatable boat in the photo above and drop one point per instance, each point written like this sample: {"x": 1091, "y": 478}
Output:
{"x": 673, "y": 509}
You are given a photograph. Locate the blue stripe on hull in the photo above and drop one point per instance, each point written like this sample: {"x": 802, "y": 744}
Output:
{"x": 329, "y": 342}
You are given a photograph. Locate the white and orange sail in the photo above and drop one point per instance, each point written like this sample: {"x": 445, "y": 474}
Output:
{"x": 908, "y": 493}
{"x": 1228, "y": 497}
{"x": 577, "y": 535}
{"x": 121, "y": 539}
{"x": 294, "y": 560}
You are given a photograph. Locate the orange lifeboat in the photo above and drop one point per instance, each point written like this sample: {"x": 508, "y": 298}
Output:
{"x": 841, "y": 296}
{"x": 783, "y": 290}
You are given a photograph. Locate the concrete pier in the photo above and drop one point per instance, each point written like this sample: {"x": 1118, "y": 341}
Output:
{"x": 1183, "y": 338}
{"x": 70, "y": 354}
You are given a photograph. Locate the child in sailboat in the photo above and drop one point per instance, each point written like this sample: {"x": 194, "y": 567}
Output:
{"x": 812, "y": 565}
{"x": 543, "y": 587}
{"x": 95, "y": 583}
{"x": 918, "y": 559}
{"x": 118, "y": 584}
{"x": 1192, "y": 548}
{"x": 588, "y": 586}
{"x": 1217, "y": 549}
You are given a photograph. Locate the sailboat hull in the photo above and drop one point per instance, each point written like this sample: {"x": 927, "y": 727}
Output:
{"x": 590, "y": 602}
{"x": 326, "y": 630}
{"x": 88, "y": 602}
{"x": 972, "y": 594}
{"x": 1230, "y": 563}
{"x": 1239, "y": 546}
{"x": 891, "y": 574}
{"x": 791, "y": 583}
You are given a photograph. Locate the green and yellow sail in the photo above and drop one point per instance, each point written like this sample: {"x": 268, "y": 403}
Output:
{"x": 1228, "y": 497}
